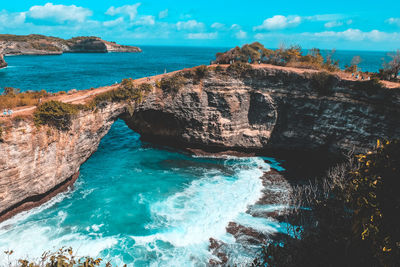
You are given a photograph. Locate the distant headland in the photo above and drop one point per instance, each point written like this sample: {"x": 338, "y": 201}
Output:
{"x": 35, "y": 44}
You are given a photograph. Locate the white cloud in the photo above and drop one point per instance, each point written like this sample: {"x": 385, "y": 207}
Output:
{"x": 333, "y": 24}
{"x": 235, "y": 27}
{"x": 127, "y": 10}
{"x": 395, "y": 21}
{"x": 11, "y": 20}
{"x": 189, "y": 25}
{"x": 145, "y": 20}
{"x": 241, "y": 35}
{"x": 279, "y": 22}
{"x": 217, "y": 25}
{"x": 163, "y": 14}
{"x": 113, "y": 23}
{"x": 210, "y": 35}
{"x": 59, "y": 13}
{"x": 325, "y": 17}
{"x": 358, "y": 35}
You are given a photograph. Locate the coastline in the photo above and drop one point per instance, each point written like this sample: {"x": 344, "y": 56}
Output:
{"x": 275, "y": 199}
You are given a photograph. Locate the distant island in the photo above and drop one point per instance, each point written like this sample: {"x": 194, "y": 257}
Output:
{"x": 35, "y": 44}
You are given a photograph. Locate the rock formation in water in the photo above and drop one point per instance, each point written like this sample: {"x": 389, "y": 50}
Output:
{"x": 263, "y": 110}
{"x": 3, "y": 63}
{"x": 43, "y": 45}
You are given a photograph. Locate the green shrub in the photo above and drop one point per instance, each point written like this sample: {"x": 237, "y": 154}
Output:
{"x": 239, "y": 68}
{"x": 172, "y": 84}
{"x": 371, "y": 87}
{"x": 55, "y": 114}
{"x": 323, "y": 82}
{"x": 218, "y": 68}
{"x": 146, "y": 87}
{"x": 125, "y": 92}
{"x": 201, "y": 71}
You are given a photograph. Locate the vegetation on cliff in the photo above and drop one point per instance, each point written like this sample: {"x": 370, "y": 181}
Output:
{"x": 323, "y": 82}
{"x": 127, "y": 91}
{"x": 12, "y": 98}
{"x": 350, "y": 218}
{"x": 294, "y": 56}
{"x": 291, "y": 57}
{"x": 56, "y": 114}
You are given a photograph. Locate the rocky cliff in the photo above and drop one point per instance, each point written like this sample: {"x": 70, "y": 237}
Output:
{"x": 260, "y": 110}
{"x": 3, "y": 63}
{"x": 44, "y": 45}
{"x": 269, "y": 109}
{"x": 38, "y": 162}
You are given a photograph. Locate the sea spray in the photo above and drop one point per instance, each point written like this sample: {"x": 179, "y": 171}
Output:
{"x": 149, "y": 207}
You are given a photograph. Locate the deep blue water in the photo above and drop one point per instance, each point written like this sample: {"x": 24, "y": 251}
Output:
{"x": 134, "y": 203}
{"x": 83, "y": 71}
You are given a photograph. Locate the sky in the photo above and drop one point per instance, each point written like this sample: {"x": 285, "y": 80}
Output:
{"x": 341, "y": 24}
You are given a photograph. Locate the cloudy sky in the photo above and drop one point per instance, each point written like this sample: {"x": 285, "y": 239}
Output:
{"x": 351, "y": 25}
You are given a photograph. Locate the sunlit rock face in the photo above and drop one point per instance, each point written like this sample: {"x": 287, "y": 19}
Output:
{"x": 266, "y": 109}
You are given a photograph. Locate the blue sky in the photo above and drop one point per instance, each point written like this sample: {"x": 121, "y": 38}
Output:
{"x": 350, "y": 25}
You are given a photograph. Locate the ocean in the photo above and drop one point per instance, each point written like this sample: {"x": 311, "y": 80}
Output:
{"x": 135, "y": 203}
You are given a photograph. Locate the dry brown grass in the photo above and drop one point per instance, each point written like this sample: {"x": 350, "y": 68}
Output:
{"x": 21, "y": 99}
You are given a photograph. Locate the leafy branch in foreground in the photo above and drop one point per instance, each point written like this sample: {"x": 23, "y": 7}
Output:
{"x": 349, "y": 218}
{"x": 64, "y": 257}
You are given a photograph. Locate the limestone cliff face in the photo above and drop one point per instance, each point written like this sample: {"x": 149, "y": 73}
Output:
{"x": 269, "y": 109}
{"x": 35, "y": 162}
{"x": 3, "y": 63}
{"x": 266, "y": 109}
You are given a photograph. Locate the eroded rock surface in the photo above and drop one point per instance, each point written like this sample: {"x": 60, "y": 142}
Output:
{"x": 264, "y": 110}
{"x": 268, "y": 109}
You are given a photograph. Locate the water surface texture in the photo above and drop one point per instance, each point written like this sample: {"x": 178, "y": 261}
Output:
{"x": 83, "y": 71}
{"x": 140, "y": 205}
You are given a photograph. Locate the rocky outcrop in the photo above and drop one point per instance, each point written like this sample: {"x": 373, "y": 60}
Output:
{"x": 3, "y": 63}
{"x": 265, "y": 109}
{"x": 269, "y": 109}
{"x": 44, "y": 45}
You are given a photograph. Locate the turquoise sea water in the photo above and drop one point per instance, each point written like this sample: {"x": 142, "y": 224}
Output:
{"x": 135, "y": 203}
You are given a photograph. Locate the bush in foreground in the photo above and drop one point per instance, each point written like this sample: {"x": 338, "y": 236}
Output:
{"x": 352, "y": 217}
{"x": 64, "y": 257}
